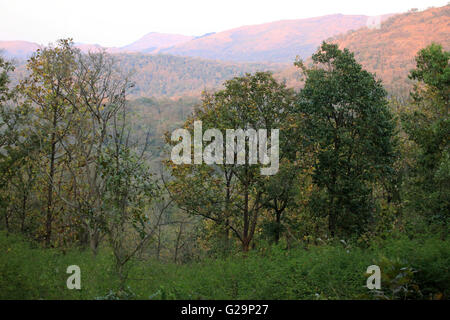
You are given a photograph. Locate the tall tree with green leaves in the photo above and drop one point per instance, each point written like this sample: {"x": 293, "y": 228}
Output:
{"x": 427, "y": 124}
{"x": 348, "y": 123}
{"x": 233, "y": 194}
{"x": 17, "y": 147}
{"x": 48, "y": 86}
{"x": 129, "y": 189}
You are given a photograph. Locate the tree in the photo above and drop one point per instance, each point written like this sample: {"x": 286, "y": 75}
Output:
{"x": 96, "y": 174}
{"x": 48, "y": 86}
{"x": 232, "y": 194}
{"x": 78, "y": 97}
{"x": 17, "y": 147}
{"x": 427, "y": 125}
{"x": 128, "y": 192}
{"x": 348, "y": 123}
{"x": 98, "y": 98}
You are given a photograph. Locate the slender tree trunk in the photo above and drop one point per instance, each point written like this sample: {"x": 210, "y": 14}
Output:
{"x": 333, "y": 211}
{"x": 245, "y": 234}
{"x": 49, "y": 218}
{"x": 94, "y": 242}
{"x": 24, "y": 208}
{"x": 158, "y": 248}
{"x": 227, "y": 213}
{"x": 332, "y": 218}
{"x": 278, "y": 226}
{"x": 7, "y": 222}
{"x": 177, "y": 243}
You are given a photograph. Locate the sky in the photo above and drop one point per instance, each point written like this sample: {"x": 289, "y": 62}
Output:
{"x": 120, "y": 22}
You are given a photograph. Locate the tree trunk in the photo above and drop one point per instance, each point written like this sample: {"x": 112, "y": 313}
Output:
{"x": 332, "y": 219}
{"x": 227, "y": 212}
{"x": 245, "y": 245}
{"x": 245, "y": 233}
{"x": 49, "y": 218}
{"x": 94, "y": 239}
{"x": 178, "y": 243}
{"x": 278, "y": 226}
{"x": 7, "y": 222}
{"x": 158, "y": 248}
{"x": 24, "y": 208}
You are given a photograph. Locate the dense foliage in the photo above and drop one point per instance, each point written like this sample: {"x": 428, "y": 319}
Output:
{"x": 86, "y": 178}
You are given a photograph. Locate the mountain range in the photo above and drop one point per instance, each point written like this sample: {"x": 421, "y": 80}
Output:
{"x": 389, "y": 51}
{"x": 176, "y": 65}
{"x": 279, "y": 41}
{"x": 155, "y": 41}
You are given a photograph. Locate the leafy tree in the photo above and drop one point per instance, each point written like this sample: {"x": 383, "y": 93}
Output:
{"x": 233, "y": 195}
{"x": 17, "y": 149}
{"x": 129, "y": 189}
{"x": 427, "y": 124}
{"x": 48, "y": 86}
{"x": 348, "y": 122}
{"x": 98, "y": 99}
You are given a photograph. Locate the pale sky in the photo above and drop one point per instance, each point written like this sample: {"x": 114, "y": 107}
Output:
{"x": 120, "y": 22}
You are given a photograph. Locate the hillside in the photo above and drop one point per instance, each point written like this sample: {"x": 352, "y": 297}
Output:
{"x": 163, "y": 75}
{"x": 279, "y": 41}
{"x": 390, "y": 50}
{"x": 166, "y": 75}
{"x": 22, "y": 50}
{"x": 153, "y": 40}
{"x": 17, "y": 49}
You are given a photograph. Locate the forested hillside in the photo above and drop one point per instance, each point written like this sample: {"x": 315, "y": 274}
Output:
{"x": 87, "y": 175}
{"x": 153, "y": 41}
{"x": 167, "y": 75}
{"x": 273, "y": 183}
{"x": 279, "y": 41}
{"x": 163, "y": 75}
{"x": 18, "y": 49}
{"x": 390, "y": 50}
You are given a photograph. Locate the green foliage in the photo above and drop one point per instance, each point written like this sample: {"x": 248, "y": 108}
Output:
{"x": 28, "y": 271}
{"x": 348, "y": 123}
{"x": 330, "y": 271}
{"x": 427, "y": 124}
{"x": 432, "y": 68}
{"x": 398, "y": 282}
{"x": 234, "y": 194}
{"x": 73, "y": 174}
{"x": 174, "y": 76}
{"x": 425, "y": 263}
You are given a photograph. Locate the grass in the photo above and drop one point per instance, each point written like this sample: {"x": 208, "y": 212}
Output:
{"x": 28, "y": 271}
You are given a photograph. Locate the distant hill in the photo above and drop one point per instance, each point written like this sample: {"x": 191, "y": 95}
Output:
{"x": 171, "y": 76}
{"x": 17, "y": 49}
{"x": 153, "y": 41}
{"x": 155, "y": 75}
{"x": 162, "y": 75}
{"x": 390, "y": 50}
{"x": 22, "y": 50}
{"x": 88, "y": 47}
{"x": 279, "y": 41}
